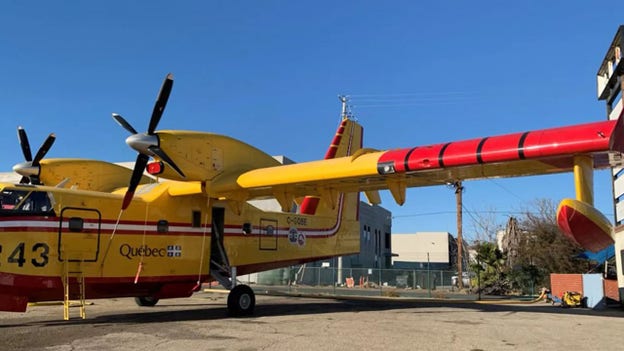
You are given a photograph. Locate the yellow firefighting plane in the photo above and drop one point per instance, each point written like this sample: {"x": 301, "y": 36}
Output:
{"x": 73, "y": 229}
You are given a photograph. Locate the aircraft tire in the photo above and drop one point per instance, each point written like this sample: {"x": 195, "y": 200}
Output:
{"x": 241, "y": 301}
{"x": 146, "y": 301}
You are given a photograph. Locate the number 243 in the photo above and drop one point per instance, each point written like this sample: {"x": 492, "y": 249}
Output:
{"x": 17, "y": 256}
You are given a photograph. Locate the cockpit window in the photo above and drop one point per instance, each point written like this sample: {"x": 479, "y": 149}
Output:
{"x": 24, "y": 201}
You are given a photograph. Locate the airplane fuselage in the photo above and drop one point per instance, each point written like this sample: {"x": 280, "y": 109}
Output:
{"x": 160, "y": 247}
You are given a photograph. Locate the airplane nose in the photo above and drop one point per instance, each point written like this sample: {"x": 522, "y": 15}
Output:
{"x": 26, "y": 169}
{"x": 141, "y": 142}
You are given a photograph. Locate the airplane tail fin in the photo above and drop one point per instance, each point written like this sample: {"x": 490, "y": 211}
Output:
{"x": 347, "y": 140}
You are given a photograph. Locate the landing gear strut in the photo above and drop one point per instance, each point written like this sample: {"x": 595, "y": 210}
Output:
{"x": 241, "y": 301}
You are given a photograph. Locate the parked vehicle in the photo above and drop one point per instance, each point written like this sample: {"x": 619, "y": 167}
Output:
{"x": 465, "y": 279}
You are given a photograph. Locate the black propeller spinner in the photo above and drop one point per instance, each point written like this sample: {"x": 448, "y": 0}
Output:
{"x": 30, "y": 169}
{"x": 147, "y": 144}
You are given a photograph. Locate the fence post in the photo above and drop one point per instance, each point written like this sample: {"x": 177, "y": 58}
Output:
{"x": 319, "y": 276}
{"x": 428, "y": 275}
{"x": 334, "y": 279}
{"x": 442, "y": 277}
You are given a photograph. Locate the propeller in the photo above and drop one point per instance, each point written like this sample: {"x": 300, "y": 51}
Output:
{"x": 30, "y": 169}
{"x": 147, "y": 144}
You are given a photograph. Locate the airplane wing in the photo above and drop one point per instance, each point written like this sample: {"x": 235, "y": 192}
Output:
{"x": 519, "y": 154}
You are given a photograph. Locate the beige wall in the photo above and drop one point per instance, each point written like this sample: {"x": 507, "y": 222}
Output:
{"x": 9, "y": 177}
{"x": 414, "y": 247}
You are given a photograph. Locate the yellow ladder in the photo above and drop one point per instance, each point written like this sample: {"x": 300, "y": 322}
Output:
{"x": 74, "y": 272}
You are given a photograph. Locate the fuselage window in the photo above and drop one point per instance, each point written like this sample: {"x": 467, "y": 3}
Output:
{"x": 162, "y": 226}
{"x": 25, "y": 202}
{"x": 196, "y": 219}
{"x": 76, "y": 224}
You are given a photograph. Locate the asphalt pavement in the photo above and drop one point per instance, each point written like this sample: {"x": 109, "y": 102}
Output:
{"x": 302, "y": 323}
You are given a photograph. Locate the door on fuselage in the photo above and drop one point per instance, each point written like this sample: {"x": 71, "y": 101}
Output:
{"x": 268, "y": 234}
{"x": 218, "y": 257}
{"x": 79, "y": 234}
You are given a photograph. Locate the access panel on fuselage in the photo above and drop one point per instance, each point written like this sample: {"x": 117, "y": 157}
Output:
{"x": 79, "y": 234}
{"x": 268, "y": 234}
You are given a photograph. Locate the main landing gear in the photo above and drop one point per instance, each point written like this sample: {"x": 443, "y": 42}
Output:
{"x": 146, "y": 301}
{"x": 241, "y": 301}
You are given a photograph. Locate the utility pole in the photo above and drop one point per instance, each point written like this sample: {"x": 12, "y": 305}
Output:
{"x": 459, "y": 189}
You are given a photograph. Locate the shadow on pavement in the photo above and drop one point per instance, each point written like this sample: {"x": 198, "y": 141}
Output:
{"x": 288, "y": 306}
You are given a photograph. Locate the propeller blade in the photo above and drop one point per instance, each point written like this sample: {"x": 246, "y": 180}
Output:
{"x": 161, "y": 102}
{"x": 43, "y": 150}
{"x": 24, "y": 180}
{"x": 23, "y": 139}
{"x": 163, "y": 156}
{"x": 147, "y": 143}
{"x": 137, "y": 173}
{"x": 122, "y": 122}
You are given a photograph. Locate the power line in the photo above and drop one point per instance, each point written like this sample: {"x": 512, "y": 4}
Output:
{"x": 407, "y": 104}
{"x": 423, "y": 99}
{"x": 506, "y": 189}
{"x": 453, "y": 212}
{"x": 470, "y": 213}
{"x": 423, "y": 214}
{"x": 410, "y": 99}
{"x": 449, "y": 93}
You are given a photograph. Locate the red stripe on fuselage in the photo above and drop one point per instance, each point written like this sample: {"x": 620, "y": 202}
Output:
{"x": 51, "y": 225}
{"x": 107, "y": 227}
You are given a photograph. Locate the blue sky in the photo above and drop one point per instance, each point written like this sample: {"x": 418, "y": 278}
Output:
{"x": 269, "y": 73}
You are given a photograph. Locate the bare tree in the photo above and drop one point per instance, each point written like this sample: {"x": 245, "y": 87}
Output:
{"x": 531, "y": 247}
{"x": 541, "y": 248}
{"x": 510, "y": 242}
{"x": 485, "y": 225}
{"x": 544, "y": 245}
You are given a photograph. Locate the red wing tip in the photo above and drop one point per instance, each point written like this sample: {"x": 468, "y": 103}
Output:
{"x": 584, "y": 224}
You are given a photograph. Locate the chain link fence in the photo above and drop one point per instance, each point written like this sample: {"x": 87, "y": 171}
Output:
{"x": 364, "y": 281}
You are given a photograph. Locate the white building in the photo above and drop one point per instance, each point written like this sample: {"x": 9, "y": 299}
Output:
{"x": 9, "y": 177}
{"x": 436, "y": 250}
